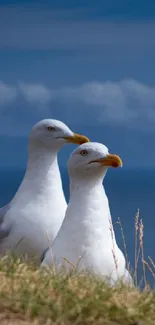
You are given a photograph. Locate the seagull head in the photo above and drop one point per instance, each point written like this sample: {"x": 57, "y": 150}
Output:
{"x": 52, "y": 133}
{"x": 92, "y": 159}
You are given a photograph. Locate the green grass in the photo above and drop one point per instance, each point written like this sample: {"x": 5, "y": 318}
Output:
{"x": 29, "y": 295}
{"x": 33, "y": 296}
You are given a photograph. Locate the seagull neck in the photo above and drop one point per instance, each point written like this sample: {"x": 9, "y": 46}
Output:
{"x": 42, "y": 181}
{"x": 41, "y": 158}
{"x": 84, "y": 188}
{"x": 42, "y": 168}
{"x": 92, "y": 206}
{"x": 86, "y": 182}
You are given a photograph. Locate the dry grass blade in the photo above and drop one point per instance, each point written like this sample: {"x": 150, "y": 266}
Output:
{"x": 51, "y": 253}
{"x": 141, "y": 235}
{"x": 124, "y": 243}
{"x": 151, "y": 261}
{"x": 150, "y": 268}
{"x": 69, "y": 262}
{"x": 113, "y": 245}
{"x": 136, "y": 245}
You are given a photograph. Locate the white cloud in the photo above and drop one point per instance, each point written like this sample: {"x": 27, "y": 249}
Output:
{"x": 7, "y": 94}
{"x": 128, "y": 101}
{"x": 35, "y": 94}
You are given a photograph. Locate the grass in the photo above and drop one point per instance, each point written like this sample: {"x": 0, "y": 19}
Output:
{"x": 32, "y": 296}
{"x": 36, "y": 296}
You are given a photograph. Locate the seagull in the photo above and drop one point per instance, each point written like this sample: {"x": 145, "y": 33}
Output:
{"x": 36, "y": 212}
{"x": 86, "y": 238}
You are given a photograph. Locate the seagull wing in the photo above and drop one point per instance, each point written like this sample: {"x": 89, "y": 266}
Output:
{"x": 44, "y": 254}
{"x": 4, "y": 228}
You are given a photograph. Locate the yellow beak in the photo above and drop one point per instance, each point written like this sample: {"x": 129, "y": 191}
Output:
{"x": 110, "y": 161}
{"x": 77, "y": 139}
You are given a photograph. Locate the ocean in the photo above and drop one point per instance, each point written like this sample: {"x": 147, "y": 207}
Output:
{"x": 127, "y": 190}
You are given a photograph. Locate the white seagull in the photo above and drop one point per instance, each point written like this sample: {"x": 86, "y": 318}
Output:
{"x": 38, "y": 208}
{"x": 86, "y": 237}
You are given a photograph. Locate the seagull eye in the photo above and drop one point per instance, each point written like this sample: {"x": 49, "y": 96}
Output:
{"x": 83, "y": 152}
{"x": 51, "y": 128}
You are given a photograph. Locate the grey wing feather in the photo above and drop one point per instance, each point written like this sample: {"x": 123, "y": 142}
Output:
{"x": 4, "y": 229}
{"x": 3, "y": 210}
{"x": 43, "y": 254}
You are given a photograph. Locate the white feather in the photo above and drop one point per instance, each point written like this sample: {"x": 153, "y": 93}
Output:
{"x": 86, "y": 236}
{"x": 39, "y": 205}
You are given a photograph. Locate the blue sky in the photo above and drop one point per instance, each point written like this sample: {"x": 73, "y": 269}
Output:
{"x": 89, "y": 63}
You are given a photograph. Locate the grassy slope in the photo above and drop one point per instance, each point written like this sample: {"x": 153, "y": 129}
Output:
{"x": 30, "y": 296}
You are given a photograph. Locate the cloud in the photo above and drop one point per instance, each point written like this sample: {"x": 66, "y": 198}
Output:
{"x": 124, "y": 101}
{"x": 127, "y": 102}
{"x": 35, "y": 94}
{"x": 7, "y": 94}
